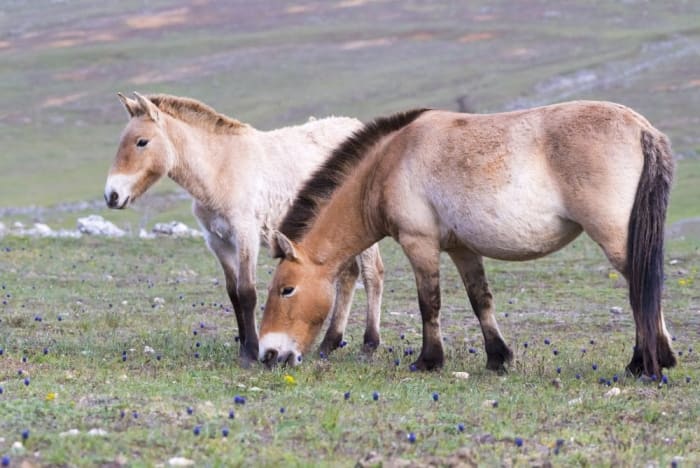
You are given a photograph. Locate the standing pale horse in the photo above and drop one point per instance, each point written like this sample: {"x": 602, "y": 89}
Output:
{"x": 512, "y": 186}
{"x": 242, "y": 181}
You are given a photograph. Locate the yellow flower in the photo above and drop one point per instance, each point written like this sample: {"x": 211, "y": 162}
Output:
{"x": 50, "y": 396}
{"x": 683, "y": 282}
{"x": 288, "y": 379}
{"x": 612, "y": 275}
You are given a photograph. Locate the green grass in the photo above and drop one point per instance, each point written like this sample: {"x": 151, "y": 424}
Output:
{"x": 685, "y": 196}
{"x": 104, "y": 292}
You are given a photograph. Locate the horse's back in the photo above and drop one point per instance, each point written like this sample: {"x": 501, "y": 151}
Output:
{"x": 521, "y": 184}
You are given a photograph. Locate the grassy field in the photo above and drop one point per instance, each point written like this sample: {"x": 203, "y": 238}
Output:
{"x": 82, "y": 313}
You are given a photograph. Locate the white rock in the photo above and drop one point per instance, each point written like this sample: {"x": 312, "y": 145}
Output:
{"x": 17, "y": 448}
{"x": 180, "y": 461}
{"x": 42, "y": 230}
{"x": 576, "y": 401}
{"x": 69, "y": 433}
{"x": 143, "y": 234}
{"x": 65, "y": 233}
{"x": 148, "y": 350}
{"x": 461, "y": 375}
{"x": 158, "y": 300}
{"x": 616, "y": 310}
{"x": 612, "y": 392}
{"x": 176, "y": 229}
{"x": 98, "y": 226}
{"x": 97, "y": 432}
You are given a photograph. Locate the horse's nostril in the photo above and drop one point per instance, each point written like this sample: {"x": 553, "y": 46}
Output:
{"x": 270, "y": 356}
{"x": 113, "y": 199}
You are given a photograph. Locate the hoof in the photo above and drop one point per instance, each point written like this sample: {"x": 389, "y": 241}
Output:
{"x": 498, "y": 355}
{"x": 369, "y": 347}
{"x": 330, "y": 344}
{"x": 246, "y": 362}
{"x": 371, "y": 342}
{"x": 249, "y": 354}
{"x": 497, "y": 367}
{"x": 429, "y": 361}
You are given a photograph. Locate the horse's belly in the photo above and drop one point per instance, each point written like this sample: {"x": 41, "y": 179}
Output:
{"x": 510, "y": 233}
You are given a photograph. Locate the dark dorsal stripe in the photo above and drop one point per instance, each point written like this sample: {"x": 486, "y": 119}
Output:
{"x": 320, "y": 187}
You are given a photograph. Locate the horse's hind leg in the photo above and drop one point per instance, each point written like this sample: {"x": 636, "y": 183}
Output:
{"x": 372, "y": 271}
{"x": 471, "y": 269}
{"x": 614, "y": 244}
{"x": 345, "y": 289}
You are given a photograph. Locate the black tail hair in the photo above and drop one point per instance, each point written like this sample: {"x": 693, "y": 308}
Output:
{"x": 645, "y": 250}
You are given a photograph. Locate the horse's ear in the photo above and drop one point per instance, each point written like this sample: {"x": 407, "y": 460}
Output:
{"x": 149, "y": 109}
{"x": 282, "y": 246}
{"x": 129, "y": 104}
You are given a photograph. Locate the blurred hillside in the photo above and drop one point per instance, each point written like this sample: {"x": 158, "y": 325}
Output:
{"x": 275, "y": 63}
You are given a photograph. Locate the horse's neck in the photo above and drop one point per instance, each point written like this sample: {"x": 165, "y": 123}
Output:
{"x": 200, "y": 158}
{"x": 344, "y": 227}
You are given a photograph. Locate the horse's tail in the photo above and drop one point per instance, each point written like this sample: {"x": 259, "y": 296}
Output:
{"x": 645, "y": 251}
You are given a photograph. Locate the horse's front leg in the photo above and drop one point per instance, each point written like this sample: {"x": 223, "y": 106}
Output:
{"x": 424, "y": 255}
{"x": 372, "y": 270}
{"x": 225, "y": 252}
{"x": 345, "y": 289}
{"x": 471, "y": 269}
{"x": 247, "y": 248}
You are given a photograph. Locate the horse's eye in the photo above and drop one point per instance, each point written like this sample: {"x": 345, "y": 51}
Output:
{"x": 287, "y": 291}
{"x": 142, "y": 142}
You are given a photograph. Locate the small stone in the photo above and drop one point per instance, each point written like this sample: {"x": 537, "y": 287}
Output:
{"x": 180, "y": 461}
{"x": 616, "y": 310}
{"x": 615, "y": 391}
{"x": 97, "y": 432}
{"x": 461, "y": 375}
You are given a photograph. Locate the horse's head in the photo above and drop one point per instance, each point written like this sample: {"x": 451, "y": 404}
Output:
{"x": 145, "y": 153}
{"x": 299, "y": 299}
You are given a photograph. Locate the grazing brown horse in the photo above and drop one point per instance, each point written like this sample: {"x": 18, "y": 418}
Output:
{"x": 242, "y": 181}
{"x": 511, "y": 186}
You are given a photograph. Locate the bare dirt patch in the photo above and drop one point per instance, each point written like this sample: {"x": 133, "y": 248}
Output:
{"x": 159, "y": 20}
{"x": 474, "y": 37}
{"x": 58, "y": 101}
{"x": 379, "y": 42}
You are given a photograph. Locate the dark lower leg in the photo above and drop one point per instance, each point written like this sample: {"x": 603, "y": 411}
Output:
{"x": 432, "y": 354}
{"x": 249, "y": 336}
{"x": 345, "y": 290}
{"x": 473, "y": 276}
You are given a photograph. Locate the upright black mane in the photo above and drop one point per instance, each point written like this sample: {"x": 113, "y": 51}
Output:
{"x": 334, "y": 171}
